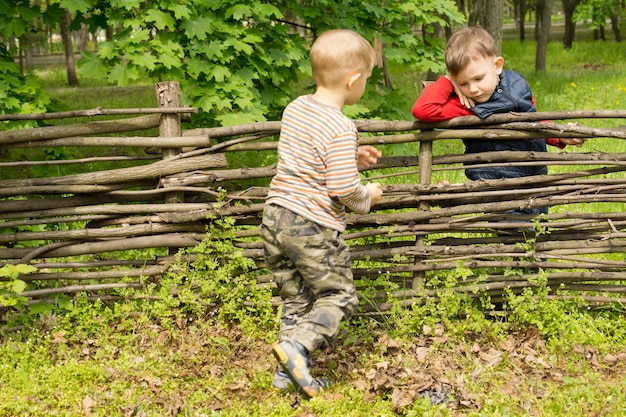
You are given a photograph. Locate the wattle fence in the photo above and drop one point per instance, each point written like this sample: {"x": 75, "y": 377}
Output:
{"x": 103, "y": 230}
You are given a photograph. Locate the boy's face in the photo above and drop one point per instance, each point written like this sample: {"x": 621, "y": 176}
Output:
{"x": 479, "y": 79}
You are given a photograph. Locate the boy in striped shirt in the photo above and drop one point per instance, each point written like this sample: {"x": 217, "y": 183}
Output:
{"x": 304, "y": 216}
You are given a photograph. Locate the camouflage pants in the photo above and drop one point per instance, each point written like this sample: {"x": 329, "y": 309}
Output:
{"x": 311, "y": 266}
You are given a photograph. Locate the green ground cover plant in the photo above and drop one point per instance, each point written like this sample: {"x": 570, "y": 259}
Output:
{"x": 203, "y": 348}
{"x": 196, "y": 354}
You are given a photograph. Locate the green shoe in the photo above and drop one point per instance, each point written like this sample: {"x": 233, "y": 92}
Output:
{"x": 295, "y": 365}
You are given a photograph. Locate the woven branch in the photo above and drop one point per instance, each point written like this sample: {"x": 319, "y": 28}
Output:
{"x": 416, "y": 228}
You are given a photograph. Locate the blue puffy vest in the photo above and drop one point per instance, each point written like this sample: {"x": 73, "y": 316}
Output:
{"x": 512, "y": 94}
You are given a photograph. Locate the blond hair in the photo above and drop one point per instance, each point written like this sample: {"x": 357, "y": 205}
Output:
{"x": 466, "y": 45}
{"x": 337, "y": 54}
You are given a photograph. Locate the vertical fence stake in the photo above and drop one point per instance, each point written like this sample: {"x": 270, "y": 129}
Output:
{"x": 168, "y": 95}
{"x": 425, "y": 160}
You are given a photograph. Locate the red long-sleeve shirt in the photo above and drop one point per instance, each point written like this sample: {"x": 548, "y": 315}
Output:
{"x": 438, "y": 102}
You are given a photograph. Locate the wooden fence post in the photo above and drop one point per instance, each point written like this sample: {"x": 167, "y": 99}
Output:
{"x": 425, "y": 160}
{"x": 168, "y": 95}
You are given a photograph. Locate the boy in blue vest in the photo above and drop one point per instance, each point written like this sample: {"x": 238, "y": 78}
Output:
{"x": 477, "y": 84}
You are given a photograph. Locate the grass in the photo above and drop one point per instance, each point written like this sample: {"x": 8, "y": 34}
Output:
{"x": 101, "y": 363}
{"x": 547, "y": 359}
{"x": 586, "y": 77}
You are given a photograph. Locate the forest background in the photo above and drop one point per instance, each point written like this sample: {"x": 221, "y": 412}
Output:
{"x": 240, "y": 62}
{"x": 131, "y": 359}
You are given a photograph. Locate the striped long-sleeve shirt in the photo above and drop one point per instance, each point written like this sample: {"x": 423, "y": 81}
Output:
{"x": 317, "y": 175}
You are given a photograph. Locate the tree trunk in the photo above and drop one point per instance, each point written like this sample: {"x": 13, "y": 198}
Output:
{"x": 522, "y": 13}
{"x": 598, "y": 17}
{"x": 72, "y": 79}
{"x": 544, "y": 9}
{"x": 460, "y": 4}
{"x": 615, "y": 26}
{"x": 82, "y": 38}
{"x": 26, "y": 51}
{"x": 520, "y": 18}
{"x": 494, "y": 15}
{"x": 569, "y": 6}
{"x": 537, "y": 19}
{"x": 381, "y": 61}
{"x": 475, "y": 13}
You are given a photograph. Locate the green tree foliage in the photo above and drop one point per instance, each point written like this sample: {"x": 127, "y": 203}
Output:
{"x": 597, "y": 12}
{"x": 242, "y": 61}
{"x": 19, "y": 94}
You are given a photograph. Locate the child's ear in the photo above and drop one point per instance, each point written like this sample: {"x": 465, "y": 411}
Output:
{"x": 499, "y": 63}
{"x": 353, "y": 78}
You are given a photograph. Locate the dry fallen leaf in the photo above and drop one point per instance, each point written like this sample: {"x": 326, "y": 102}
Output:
{"x": 556, "y": 376}
{"x": 87, "y": 405}
{"x": 508, "y": 345}
{"x": 610, "y": 359}
{"x": 401, "y": 398}
{"x": 491, "y": 356}
{"x": 421, "y": 353}
{"x": 390, "y": 344}
{"x": 510, "y": 388}
{"x": 59, "y": 337}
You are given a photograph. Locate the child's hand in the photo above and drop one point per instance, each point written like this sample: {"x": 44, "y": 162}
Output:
{"x": 573, "y": 141}
{"x": 465, "y": 101}
{"x": 375, "y": 190}
{"x": 367, "y": 155}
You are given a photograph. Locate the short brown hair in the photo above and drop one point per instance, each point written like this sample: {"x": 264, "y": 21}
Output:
{"x": 467, "y": 45}
{"x": 337, "y": 53}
